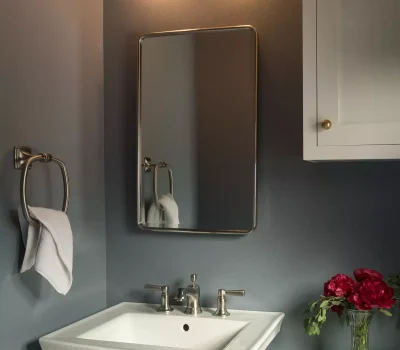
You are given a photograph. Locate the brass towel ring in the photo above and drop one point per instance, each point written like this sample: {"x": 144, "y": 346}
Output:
{"x": 23, "y": 160}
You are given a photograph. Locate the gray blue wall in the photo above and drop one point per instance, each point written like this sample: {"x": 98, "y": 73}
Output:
{"x": 314, "y": 220}
{"x": 51, "y": 98}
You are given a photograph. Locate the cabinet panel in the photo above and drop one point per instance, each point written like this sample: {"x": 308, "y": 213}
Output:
{"x": 358, "y": 71}
{"x": 344, "y": 79}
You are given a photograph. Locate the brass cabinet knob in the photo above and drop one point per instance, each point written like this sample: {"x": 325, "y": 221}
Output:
{"x": 326, "y": 124}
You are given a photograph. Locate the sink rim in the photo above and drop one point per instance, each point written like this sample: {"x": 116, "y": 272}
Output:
{"x": 261, "y": 329}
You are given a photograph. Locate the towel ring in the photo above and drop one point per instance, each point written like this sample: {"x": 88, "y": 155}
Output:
{"x": 23, "y": 159}
{"x": 155, "y": 181}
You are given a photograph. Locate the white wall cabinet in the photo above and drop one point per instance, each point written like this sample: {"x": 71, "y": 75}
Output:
{"x": 351, "y": 77}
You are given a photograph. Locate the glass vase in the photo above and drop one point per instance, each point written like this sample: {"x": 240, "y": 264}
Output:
{"x": 359, "y": 323}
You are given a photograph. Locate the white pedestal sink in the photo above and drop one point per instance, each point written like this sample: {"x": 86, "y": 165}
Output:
{"x": 133, "y": 326}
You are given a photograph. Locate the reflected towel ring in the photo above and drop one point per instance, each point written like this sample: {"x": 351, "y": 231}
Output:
{"x": 155, "y": 181}
{"x": 23, "y": 159}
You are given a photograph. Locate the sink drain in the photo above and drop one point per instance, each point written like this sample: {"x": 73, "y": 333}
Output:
{"x": 185, "y": 327}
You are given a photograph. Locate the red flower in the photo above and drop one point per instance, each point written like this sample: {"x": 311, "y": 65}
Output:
{"x": 339, "y": 286}
{"x": 367, "y": 274}
{"x": 338, "y": 309}
{"x": 370, "y": 294}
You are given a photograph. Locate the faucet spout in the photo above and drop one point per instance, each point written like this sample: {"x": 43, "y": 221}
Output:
{"x": 193, "y": 305}
{"x": 192, "y": 296}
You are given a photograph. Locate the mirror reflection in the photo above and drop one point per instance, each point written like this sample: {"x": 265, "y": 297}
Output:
{"x": 197, "y": 130}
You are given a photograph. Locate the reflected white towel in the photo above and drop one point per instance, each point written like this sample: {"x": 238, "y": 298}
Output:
{"x": 49, "y": 246}
{"x": 171, "y": 213}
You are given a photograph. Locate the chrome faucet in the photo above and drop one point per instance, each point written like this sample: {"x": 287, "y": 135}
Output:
{"x": 192, "y": 296}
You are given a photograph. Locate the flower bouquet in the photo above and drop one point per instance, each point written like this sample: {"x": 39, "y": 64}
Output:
{"x": 357, "y": 298}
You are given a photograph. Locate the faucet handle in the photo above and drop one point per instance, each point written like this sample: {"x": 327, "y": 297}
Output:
{"x": 235, "y": 293}
{"x": 193, "y": 279}
{"x": 221, "y": 301}
{"x": 154, "y": 287}
{"x": 164, "y": 307}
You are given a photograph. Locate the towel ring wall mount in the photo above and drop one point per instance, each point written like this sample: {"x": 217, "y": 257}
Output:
{"x": 23, "y": 160}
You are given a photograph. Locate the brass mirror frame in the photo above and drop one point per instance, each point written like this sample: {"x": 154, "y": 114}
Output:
{"x": 139, "y": 134}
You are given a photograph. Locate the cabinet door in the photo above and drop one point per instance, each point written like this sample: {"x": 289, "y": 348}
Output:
{"x": 358, "y": 72}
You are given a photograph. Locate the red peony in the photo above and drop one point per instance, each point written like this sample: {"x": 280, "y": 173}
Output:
{"x": 338, "y": 309}
{"x": 367, "y": 274}
{"x": 370, "y": 294}
{"x": 339, "y": 286}
{"x": 341, "y": 293}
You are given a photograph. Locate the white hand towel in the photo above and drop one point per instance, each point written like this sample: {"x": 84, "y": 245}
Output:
{"x": 49, "y": 246}
{"x": 171, "y": 212}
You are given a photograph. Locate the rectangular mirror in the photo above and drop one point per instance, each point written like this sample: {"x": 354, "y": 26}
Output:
{"x": 197, "y": 116}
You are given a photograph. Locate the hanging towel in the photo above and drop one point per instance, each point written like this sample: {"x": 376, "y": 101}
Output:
{"x": 171, "y": 213}
{"x": 49, "y": 246}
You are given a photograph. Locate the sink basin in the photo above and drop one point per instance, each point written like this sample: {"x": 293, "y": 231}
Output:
{"x": 134, "y": 326}
{"x": 131, "y": 328}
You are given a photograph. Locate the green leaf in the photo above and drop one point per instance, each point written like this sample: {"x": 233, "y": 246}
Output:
{"x": 317, "y": 312}
{"x": 386, "y": 312}
{"x": 310, "y": 330}
{"x": 321, "y": 316}
{"x": 324, "y": 304}
{"x": 313, "y": 305}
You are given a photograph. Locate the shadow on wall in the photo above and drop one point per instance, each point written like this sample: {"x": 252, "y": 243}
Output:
{"x": 92, "y": 123}
{"x": 31, "y": 283}
{"x": 33, "y": 346}
{"x": 131, "y": 129}
{"x": 29, "y": 280}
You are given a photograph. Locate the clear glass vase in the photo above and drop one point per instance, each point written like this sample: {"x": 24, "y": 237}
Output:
{"x": 359, "y": 323}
